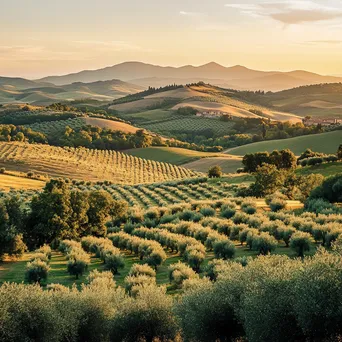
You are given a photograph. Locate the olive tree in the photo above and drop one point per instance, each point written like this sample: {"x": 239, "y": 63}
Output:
{"x": 300, "y": 242}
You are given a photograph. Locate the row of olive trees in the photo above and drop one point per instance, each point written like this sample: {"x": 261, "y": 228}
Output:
{"x": 270, "y": 298}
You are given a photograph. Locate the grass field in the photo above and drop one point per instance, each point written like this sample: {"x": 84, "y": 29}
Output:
{"x": 327, "y": 170}
{"x": 151, "y": 115}
{"x": 14, "y": 270}
{"x": 173, "y": 155}
{"x": 324, "y": 142}
{"x": 84, "y": 164}
{"x": 8, "y": 182}
{"x": 110, "y": 124}
{"x": 228, "y": 165}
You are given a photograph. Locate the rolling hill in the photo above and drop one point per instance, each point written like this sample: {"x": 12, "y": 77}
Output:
{"x": 201, "y": 96}
{"x": 325, "y": 143}
{"x": 238, "y": 77}
{"x": 173, "y": 155}
{"x": 87, "y": 165}
{"x": 193, "y": 160}
{"x": 46, "y": 94}
{"x": 321, "y": 100}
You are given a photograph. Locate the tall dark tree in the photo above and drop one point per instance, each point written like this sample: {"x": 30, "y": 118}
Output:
{"x": 50, "y": 214}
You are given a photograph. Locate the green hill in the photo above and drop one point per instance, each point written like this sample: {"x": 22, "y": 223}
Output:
{"x": 172, "y": 155}
{"x": 325, "y": 143}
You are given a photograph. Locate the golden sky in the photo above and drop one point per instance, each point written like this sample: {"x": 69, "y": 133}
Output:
{"x": 43, "y": 37}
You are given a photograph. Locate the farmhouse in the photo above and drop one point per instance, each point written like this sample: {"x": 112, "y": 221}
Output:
{"x": 213, "y": 114}
{"x": 323, "y": 122}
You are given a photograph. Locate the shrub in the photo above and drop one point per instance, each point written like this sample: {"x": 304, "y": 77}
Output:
{"x": 77, "y": 263}
{"x": 36, "y": 271}
{"x": 264, "y": 243}
{"x": 300, "y": 242}
{"x": 114, "y": 262}
{"x": 227, "y": 212}
{"x": 277, "y": 204}
{"x": 330, "y": 190}
{"x": 2, "y": 170}
{"x": 179, "y": 272}
{"x": 215, "y": 172}
{"x": 285, "y": 233}
{"x": 46, "y": 249}
{"x": 39, "y": 256}
{"x": 208, "y": 312}
{"x": 132, "y": 283}
{"x": 147, "y": 317}
{"x": 224, "y": 249}
{"x": 138, "y": 269}
{"x": 208, "y": 211}
{"x": 249, "y": 207}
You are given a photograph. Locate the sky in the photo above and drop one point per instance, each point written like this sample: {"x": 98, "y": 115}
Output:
{"x": 47, "y": 37}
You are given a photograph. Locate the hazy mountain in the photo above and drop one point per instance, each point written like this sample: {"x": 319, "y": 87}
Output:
{"x": 20, "y": 83}
{"x": 237, "y": 77}
{"x": 49, "y": 93}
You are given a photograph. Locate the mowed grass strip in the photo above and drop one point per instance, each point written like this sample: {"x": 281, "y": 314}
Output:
{"x": 172, "y": 155}
{"x": 227, "y": 164}
{"x": 8, "y": 182}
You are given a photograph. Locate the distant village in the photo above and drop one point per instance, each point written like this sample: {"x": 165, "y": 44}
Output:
{"x": 214, "y": 114}
{"x": 308, "y": 121}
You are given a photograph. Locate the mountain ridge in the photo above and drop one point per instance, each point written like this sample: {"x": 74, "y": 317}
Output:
{"x": 238, "y": 76}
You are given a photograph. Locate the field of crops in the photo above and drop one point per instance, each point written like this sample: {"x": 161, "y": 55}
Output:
{"x": 56, "y": 128}
{"x": 191, "y": 124}
{"x": 231, "y": 228}
{"x": 84, "y": 164}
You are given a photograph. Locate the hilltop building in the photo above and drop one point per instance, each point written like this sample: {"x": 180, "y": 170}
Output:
{"x": 213, "y": 114}
{"x": 322, "y": 122}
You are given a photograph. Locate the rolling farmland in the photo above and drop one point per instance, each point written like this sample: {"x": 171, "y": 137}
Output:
{"x": 84, "y": 164}
{"x": 325, "y": 143}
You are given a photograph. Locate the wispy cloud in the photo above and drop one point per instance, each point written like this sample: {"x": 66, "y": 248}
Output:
{"x": 116, "y": 45}
{"x": 191, "y": 14}
{"x": 35, "y": 53}
{"x": 290, "y": 12}
{"x": 330, "y": 42}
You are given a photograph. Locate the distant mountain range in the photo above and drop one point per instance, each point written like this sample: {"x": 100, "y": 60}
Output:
{"x": 20, "y": 90}
{"x": 236, "y": 77}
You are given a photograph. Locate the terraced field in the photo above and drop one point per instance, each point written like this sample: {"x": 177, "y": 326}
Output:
{"x": 84, "y": 164}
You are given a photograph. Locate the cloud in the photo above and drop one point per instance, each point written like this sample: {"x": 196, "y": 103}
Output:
{"x": 332, "y": 42}
{"x": 290, "y": 12}
{"x": 109, "y": 45}
{"x": 35, "y": 53}
{"x": 190, "y": 14}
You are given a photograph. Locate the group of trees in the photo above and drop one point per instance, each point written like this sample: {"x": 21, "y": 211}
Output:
{"x": 269, "y": 179}
{"x": 284, "y": 159}
{"x": 21, "y": 133}
{"x": 27, "y": 118}
{"x": 269, "y": 298}
{"x": 54, "y": 214}
{"x": 102, "y": 138}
